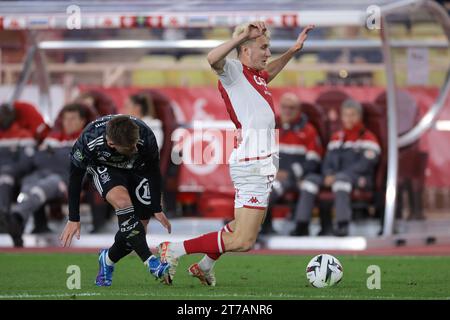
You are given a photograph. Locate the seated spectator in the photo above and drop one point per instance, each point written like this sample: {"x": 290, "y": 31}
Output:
{"x": 21, "y": 130}
{"x": 141, "y": 106}
{"x": 300, "y": 152}
{"x": 51, "y": 165}
{"x": 350, "y": 161}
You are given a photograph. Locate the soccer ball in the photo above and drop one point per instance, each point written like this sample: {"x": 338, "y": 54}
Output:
{"x": 324, "y": 270}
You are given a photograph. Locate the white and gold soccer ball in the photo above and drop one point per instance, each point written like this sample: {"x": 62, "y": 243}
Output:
{"x": 324, "y": 270}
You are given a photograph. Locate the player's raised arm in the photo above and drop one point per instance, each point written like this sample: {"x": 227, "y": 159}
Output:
{"x": 216, "y": 57}
{"x": 276, "y": 65}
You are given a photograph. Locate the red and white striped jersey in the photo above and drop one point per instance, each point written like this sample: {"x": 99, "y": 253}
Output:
{"x": 250, "y": 106}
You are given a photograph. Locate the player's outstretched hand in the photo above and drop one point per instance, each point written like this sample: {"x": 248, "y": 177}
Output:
{"x": 72, "y": 228}
{"x": 161, "y": 217}
{"x": 303, "y": 36}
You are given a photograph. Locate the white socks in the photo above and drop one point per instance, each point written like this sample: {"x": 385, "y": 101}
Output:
{"x": 108, "y": 260}
{"x": 206, "y": 264}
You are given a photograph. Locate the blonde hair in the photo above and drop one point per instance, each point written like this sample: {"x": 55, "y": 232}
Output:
{"x": 238, "y": 30}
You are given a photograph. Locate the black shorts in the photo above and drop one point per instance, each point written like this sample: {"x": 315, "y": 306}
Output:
{"x": 105, "y": 178}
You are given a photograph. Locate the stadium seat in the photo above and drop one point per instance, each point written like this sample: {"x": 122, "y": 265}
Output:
{"x": 407, "y": 109}
{"x": 103, "y": 104}
{"x": 330, "y": 102}
{"x": 317, "y": 118}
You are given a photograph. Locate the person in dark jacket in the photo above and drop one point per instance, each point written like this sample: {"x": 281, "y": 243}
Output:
{"x": 350, "y": 162}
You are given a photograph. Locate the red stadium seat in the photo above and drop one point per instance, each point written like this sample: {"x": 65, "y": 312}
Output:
{"x": 407, "y": 109}
{"x": 330, "y": 102}
{"x": 102, "y": 102}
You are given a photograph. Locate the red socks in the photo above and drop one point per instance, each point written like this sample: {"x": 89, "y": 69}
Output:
{"x": 210, "y": 243}
{"x": 215, "y": 256}
{"x": 207, "y": 243}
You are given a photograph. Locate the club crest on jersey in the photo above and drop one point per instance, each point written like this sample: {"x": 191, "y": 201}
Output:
{"x": 143, "y": 192}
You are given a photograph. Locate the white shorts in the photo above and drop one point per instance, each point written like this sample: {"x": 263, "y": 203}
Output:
{"x": 253, "y": 182}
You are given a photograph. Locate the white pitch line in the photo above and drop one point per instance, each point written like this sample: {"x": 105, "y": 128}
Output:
{"x": 58, "y": 295}
{"x": 220, "y": 295}
{"x": 155, "y": 295}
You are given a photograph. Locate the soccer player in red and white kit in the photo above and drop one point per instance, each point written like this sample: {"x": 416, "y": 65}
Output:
{"x": 243, "y": 86}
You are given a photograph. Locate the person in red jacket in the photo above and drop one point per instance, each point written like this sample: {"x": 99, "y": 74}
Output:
{"x": 300, "y": 152}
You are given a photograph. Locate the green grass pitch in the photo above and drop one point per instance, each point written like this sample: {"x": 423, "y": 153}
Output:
{"x": 43, "y": 276}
